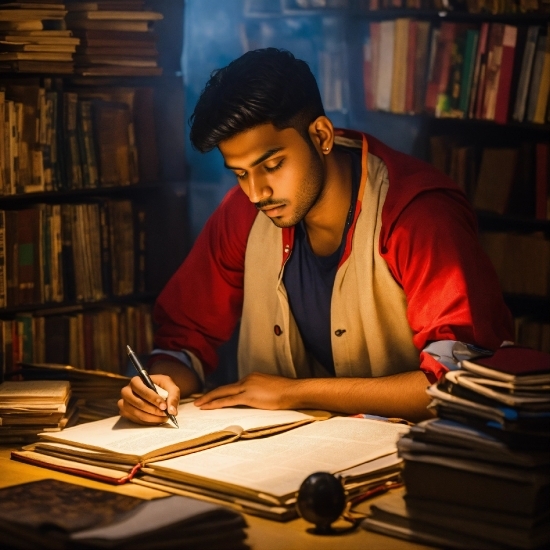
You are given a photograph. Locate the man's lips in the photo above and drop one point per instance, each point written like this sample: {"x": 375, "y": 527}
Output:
{"x": 273, "y": 210}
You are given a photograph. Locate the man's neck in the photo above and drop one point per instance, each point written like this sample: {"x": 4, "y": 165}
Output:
{"x": 325, "y": 223}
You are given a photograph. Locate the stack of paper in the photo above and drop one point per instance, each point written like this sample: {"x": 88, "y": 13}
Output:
{"x": 479, "y": 475}
{"x": 30, "y": 407}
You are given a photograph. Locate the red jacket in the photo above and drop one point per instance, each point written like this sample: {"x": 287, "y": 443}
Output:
{"x": 428, "y": 240}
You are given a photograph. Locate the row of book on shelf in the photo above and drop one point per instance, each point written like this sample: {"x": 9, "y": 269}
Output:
{"x": 293, "y": 7}
{"x": 477, "y": 475}
{"x": 90, "y": 339}
{"x": 511, "y": 180}
{"x": 53, "y": 140}
{"x": 532, "y": 332}
{"x": 54, "y": 253}
{"x": 469, "y": 6}
{"x": 87, "y": 38}
{"x": 489, "y": 71}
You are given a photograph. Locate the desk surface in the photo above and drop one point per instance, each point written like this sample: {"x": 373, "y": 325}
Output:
{"x": 263, "y": 534}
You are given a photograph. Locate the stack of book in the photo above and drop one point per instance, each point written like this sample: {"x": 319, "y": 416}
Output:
{"x": 31, "y": 407}
{"x": 33, "y": 37}
{"x": 478, "y": 475}
{"x": 96, "y": 391}
{"x": 117, "y": 38}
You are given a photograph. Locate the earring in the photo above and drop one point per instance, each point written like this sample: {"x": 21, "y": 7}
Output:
{"x": 325, "y": 149}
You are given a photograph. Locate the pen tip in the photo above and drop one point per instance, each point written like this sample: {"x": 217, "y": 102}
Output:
{"x": 128, "y": 348}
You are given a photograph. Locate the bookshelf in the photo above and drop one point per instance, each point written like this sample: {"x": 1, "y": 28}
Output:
{"x": 336, "y": 38}
{"x": 96, "y": 221}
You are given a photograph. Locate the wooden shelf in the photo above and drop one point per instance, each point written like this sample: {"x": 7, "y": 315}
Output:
{"x": 61, "y": 308}
{"x": 534, "y": 306}
{"x": 72, "y": 195}
{"x": 493, "y": 222}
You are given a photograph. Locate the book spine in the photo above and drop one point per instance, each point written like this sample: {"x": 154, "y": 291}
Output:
{"x": 411, "y": 66}
{"x": 73, "y": 167}
{"x": 542, "y": 200}
{"x": 525, "y": 73}
{"x": 509, "y": 41}
{"x": 544, "y": 88}
{"x": 69, "y": 283}
{"x": 476, "y": 96}
{"x": 3, "y": 281}
{"x": 28, "y": 256}
{"x": 2, "y": 144}
{"x": 466, "y": 85}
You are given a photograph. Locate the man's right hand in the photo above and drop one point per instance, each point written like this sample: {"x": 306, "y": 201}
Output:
{"x": 144, "y": 406}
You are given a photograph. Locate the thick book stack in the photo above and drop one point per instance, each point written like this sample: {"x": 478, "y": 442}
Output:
{"x": 91, "y": 339}
{"x": 31, "y": 407}
{"x": 53, "y": 139}
{"x": 33, "y": 38}
{"x": 70, "y": 252}
{"x": 117, "y": 38}
{"x": 490, "y": 71}
{"x": 478, "y": 475}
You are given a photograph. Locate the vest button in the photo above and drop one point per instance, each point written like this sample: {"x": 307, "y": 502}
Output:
{"x": 277, "y": 330}
{"x": 339, "y": 332}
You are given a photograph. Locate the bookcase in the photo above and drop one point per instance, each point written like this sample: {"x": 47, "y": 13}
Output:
{"x": 410, "y": 72}
{"x": 93, "y": 199}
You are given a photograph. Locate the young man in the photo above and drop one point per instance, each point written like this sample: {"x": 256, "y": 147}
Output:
{"x": 354, "y": 269}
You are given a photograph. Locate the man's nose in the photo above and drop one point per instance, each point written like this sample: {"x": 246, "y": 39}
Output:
{"x": 258, "y": 189}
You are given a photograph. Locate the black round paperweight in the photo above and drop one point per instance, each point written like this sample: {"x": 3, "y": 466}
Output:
{"x": 321, "y": 500}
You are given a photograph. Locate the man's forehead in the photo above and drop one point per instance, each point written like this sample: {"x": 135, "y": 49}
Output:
{"x": 246, "y": 147}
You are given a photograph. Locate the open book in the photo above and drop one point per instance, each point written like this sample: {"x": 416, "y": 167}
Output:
{"x": 263, "y": 476}
{"x": 114, "y": 448}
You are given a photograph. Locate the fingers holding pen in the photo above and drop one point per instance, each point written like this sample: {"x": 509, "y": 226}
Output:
{"x": 143, "y": 405}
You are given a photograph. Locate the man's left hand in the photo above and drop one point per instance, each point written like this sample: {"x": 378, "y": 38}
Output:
{"x": 262, "y": 391}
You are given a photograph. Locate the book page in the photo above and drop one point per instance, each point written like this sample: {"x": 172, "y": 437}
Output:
{"x": 277, "y": 465}
{"x": 119, "y": 435}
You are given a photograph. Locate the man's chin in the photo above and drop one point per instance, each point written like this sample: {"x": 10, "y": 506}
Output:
{"x": 282, "y": 222}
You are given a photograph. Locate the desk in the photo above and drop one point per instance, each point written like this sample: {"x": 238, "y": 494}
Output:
{"x": 263, "y": 534}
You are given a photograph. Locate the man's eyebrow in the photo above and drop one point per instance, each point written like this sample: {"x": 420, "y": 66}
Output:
{"x": 265, "y": 156}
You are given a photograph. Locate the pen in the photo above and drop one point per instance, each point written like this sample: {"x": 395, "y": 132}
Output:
{"x": 144, "y": 375}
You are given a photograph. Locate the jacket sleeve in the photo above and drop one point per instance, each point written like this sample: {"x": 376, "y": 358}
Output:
{"x": 201, "y": 304}
{"x": 451, "y": 287}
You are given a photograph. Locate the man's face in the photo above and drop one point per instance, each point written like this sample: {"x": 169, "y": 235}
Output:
{"x": 280, "y": 172}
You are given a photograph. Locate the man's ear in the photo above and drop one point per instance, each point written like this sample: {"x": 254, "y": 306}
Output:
{"x": 321, "y": 132}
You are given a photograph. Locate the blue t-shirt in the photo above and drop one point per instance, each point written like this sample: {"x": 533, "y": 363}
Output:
{"x": 309, "y": 279}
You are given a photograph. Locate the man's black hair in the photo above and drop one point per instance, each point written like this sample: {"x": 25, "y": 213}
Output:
{"x": 262, "y": 86}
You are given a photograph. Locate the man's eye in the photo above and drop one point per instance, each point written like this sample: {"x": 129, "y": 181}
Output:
{"x": 276, "y": 167}
{"x": 241, "y": 175}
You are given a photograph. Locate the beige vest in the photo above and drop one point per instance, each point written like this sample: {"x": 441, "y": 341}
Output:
{"x": 370, "y": 333}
